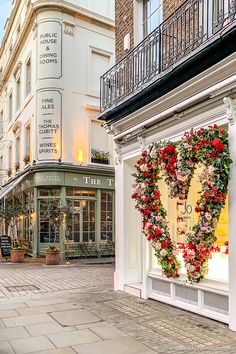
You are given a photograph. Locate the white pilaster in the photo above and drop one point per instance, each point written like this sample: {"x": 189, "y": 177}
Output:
{"x": 119, "y": 236}
{"x": 230, "y": 111}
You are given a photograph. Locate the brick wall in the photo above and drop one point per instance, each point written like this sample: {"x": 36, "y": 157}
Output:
{"x": 169, "y": 6}
{"x": 124, "y": 25}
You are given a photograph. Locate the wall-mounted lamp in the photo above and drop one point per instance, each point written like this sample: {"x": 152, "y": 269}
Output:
{"x": 80, "y": 157}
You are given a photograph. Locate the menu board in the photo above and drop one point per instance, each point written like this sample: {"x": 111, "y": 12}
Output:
{"x": 5, "y": 245}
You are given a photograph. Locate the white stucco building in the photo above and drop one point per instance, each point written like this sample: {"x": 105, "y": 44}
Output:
{"x": 180, "y": 76}
{"x": 51, "y": 59}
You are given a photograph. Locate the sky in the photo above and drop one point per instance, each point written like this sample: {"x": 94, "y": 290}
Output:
{"x": 5, "y": 9}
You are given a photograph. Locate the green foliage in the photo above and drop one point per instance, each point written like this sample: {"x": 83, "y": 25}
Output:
{"x": 99, "y": 154}
{"x": 52, "y": 249}
{"x": 17, "y": 245}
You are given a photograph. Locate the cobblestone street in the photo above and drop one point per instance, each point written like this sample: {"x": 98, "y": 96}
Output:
{"x": 73, "y": 309}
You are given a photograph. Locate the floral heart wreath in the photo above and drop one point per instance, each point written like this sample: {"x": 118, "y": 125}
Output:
{"x": 208, "y": 147}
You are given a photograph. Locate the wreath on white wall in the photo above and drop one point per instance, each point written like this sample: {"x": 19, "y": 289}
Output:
{"x": 177, "y": 162}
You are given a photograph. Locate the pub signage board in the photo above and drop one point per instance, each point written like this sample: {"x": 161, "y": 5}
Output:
{"x": 49, "y": 125}
{"x": 5, "y": 245}
{"x": 49, "y": 50}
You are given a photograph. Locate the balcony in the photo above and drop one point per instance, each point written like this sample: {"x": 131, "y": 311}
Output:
{"x": 195, "y": 26}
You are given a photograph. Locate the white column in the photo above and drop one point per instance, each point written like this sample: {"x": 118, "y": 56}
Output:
{"x": 230, "y": 110}
{"x": 119, "y": 232}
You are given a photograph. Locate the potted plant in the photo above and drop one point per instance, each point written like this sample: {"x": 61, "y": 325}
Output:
{"x": 18, "y": 251}
{"x": 17, "y": 166}
{"x": 9, "y": 172}
{"x": 99, "y": 156}
{"x": 26, "y": 159}
{"x": 52, "y": 255}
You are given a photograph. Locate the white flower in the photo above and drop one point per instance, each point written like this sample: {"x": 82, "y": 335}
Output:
{"x": 163, "y": 253}
{"x": 153, "y": 153}
{"x": 158, "y": 246}
{"x": 190, "y": 267}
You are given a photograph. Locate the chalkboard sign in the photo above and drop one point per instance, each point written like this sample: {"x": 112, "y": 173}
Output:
{"x": 5, "y": 245}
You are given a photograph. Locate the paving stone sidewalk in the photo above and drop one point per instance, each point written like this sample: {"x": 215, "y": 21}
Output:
{"x": 73, "y": 309}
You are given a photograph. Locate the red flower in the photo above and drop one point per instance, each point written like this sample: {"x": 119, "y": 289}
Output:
{"x": 218, "y": 144}
{"x": 212, "y": 154}
{"x": 158, "y": 232}
{"x": 164, "y": 244}
{"x": 147, "y": 199}
{"x": 170, "y": 149}
{"x": 146, "y": 174}
{"x": 150, "y": 237}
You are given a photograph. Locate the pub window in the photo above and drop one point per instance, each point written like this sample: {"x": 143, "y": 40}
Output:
{"x": 88, "y": 207}
{"x": 49, "y": 192}
{"x": 74, "y": 224}
{"x": 106, "y": 216}
{"x": 83, "y": 223}
{"x": 10, "y": 107}
{"x": 48, "y": 228}
{"x": 17, "y": 149}
{"x": 18, "y": 93}
{"x": 28, "y": 76}
{"x": 28, "y": 227}
{"x": 1, "y": 124}
{"x": 1, "y": 170}
{"x": 77, "y": 192}
{"x": 27, "y": 140}
{"x": 10, "y": 157}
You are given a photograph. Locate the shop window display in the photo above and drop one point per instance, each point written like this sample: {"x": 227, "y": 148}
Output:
{"x": 182, "y": 217}
{"x": 196, "y": 238}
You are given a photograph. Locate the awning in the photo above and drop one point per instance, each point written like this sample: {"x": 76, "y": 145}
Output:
{"x": 5, "y": 190}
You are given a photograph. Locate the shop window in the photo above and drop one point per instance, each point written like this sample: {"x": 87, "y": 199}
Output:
{"x": 49, "y": 192}
{"x": 106, "y": 216}
{"x": 182, "y": 217}
{"x": 77, "y": 192}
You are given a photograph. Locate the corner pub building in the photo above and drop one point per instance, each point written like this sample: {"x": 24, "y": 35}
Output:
{"x": 52, "y": 147}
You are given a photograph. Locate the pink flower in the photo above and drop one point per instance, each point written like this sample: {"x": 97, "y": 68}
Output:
{"x": 163, "y": 253}
{"x": 191, "y": 254}
{"x": 208, "y": 216}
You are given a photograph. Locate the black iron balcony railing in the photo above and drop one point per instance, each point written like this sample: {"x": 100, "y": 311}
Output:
{"x": 188, "y": 29}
